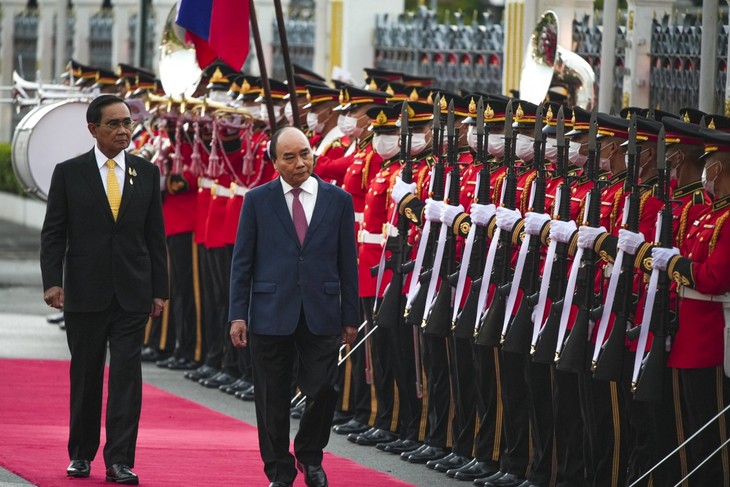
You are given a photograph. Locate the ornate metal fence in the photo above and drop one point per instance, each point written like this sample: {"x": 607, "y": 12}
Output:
{"x": 100, "y": 38}
{"x": 460, "y": 56}
{"x": 675, "y": 63}
{"x": 587, "y": 41}
{"x": 300, "y": 28}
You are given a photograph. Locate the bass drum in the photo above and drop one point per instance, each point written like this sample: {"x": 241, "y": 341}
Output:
{"x": 47, "y": 135}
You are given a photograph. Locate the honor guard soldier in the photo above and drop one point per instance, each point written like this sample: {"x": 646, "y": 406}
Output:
{"x": 321, "y": 118}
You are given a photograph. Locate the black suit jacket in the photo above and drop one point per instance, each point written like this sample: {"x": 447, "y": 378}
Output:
{"x": 89, "y": 254}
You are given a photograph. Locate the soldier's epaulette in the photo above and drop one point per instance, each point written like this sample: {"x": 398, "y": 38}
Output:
{"x": 518, "y": 232}
{"x": 390, "y": 162}
{"x": 494, "y": 163}
{"x": 642, "y": 258}
{"x": 698, "y": 197}
{"x": 605, "y": 247}
{"x": 679, "y": 270}
{"x": 430, "y": 160}
{"x": 335, "y": 144}
{"x": 462, "y": 225}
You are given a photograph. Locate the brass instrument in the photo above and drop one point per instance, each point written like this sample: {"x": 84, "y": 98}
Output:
{"x": 179, "y": 70}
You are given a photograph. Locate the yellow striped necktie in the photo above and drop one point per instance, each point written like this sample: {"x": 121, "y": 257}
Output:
{"x": 112, "y": 189}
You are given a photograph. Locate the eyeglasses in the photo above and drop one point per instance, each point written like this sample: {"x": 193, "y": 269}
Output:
{"x": 115, "y": 124}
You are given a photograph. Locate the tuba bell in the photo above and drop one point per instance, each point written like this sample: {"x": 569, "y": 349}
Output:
{"x": 549, "y": 67}
{"x": 179, "y": 70}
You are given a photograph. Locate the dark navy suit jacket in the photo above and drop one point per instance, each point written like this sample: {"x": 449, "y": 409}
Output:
{"x": 274, "y": 278}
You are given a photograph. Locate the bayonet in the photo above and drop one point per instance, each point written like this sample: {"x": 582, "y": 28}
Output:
{"x": 661, "y": 161}
{"x": 631, "y": 150}
{"x": 560, "y": 128}
{"x": 508, "y": 121}
{"x": 593, "y": 130}
{"x": 538, "y": 124}
{"x": 450, "y": 121}
{"x": 480, "y": 117}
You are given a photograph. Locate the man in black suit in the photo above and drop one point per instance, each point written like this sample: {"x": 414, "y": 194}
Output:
{"x": 104, "y": 262}
{"x": 294, "y": 294}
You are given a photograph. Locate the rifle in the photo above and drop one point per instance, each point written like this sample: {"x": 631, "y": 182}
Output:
{"x": 554, "y": 278}
{"x": 463, "y": 325}
{"x": 390, "y": 313}
{"x": 438, "y": 321}
{"x": 661, "y": 323}
{"x": 421, "y": 277}
{"x": 571, "y": 356}
{"x": 610, "y": 361}
{"x": 491, "y": 322}
{"x": 516, "y": 337}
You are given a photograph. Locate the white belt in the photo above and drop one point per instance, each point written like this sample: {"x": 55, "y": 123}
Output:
{"x": 686, "y": 292}
{"x": 240, "y": 190}
{"x": 390, "y": 230}
{"x": 220, "y": 192}
{"x": 205, "y": 183}
{"x": 363, "y": 236}
{"x": 359, "y": 216}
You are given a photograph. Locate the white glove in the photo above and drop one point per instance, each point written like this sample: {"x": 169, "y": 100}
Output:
{"x": 628, "y": 241}
{"x": 481, "y": 214}
{"x": 507, "y": 218}
{"x": 433, "y": 210}
{"x": 561, "y": 231}
{"x": 449, "y": 213}
{"x": 587, "y": 236}
{"x": 534, "y": 222}
{"x": 401, "y": 190}
{"x": 660, "y": 257}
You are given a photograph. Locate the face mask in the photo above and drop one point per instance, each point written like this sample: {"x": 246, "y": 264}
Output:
{"x": 709, "y": 185}
{"x": 551, "y": 150}
{"x": 471, "y": 138}
{"x": 288, "y": 113}
{"x": 347, "y": 124}
{"x": 418, "y": 143}
{"x": 675, "y": 167}
{"x": 386, "y": 145}
{"x": 313, "y": 123}
{"x": 264, "y": 113}
{"x": 524, "y": 149}
{"x": 495, "y": 145}
{"x": 574, "y": 155}
{"x": 605, "y": 162}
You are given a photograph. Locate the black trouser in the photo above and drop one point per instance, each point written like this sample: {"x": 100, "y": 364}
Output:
{"x": 220, "y": 349}
{"x": 210, "y": 314}
{"x": 160, "y": 332}
{"x": 569, "y": 435}
{"x": 516, "y": 418}
{"x": 356, "y": 394}
{"x": 87, "y": 335}
{"x": 383, "y": 367}
{"x": 464, "y": 390}
{"x": 490, "y": 436}
{"x": 436, "y": 365}
{"x": 184, "y": 308}
{"x": 272, "y": 373}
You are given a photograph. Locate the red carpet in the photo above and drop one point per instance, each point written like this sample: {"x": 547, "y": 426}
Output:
{"x": 180, "y": 442}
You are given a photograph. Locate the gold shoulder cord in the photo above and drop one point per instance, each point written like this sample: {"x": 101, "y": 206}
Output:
{"x": 644, "y": 198}
{"x": 716, "y": 232}
{"x": 683, "y": 223}
{"x": 421, "y": 179}
{"x": 614, "y": 210}
{"x": 525, "y": 191}
{"x": 366, "y": 170}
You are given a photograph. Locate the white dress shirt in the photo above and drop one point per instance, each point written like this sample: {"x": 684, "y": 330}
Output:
{"x": 308, "y": 196}
{"x": 119, "y": 169}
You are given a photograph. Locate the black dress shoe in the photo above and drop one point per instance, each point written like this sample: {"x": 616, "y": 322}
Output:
{"x": 405, "y": 455}
{"x": 489, "y": 478}
{"x": 164, "y": 363}
{"x": 527, "y": 483}
{"x": 450, "y": 462}
{"x": 79, "y": 468}
{"x": 508, "y": 480}
{"x": 150, "y": 354}
{"x": 202, "y": 372}
{"x": 399, "y": 447}
{"x": 246, "y": 394}
{"x": 314, "y": 475}
{"x": 121, "y": 474}
{"x": 280, "y": 484}
{"x": 183, "y": 364}
{"x": 372, "y": 437}
{"x": 472, "y": 471}
{"x": 351, "y": 426}
{"x": 219, "y": 379}
{"x": 341, "y": 418}
{"x": 432, "y": 463}
{"x": 238, "y": 385}
{"x": 426, "y": 454}
{"x": 297, "y": 411}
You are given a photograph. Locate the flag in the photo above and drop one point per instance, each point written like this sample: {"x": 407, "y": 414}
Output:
{"x": 217, "y": 28}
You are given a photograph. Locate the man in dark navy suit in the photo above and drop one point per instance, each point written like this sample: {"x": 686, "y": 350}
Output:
{"x": 294, "y": 294}
{"x": 104, "y": 262}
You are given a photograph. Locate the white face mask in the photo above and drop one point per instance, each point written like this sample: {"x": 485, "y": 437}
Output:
{"x": 471, "y": 138}
{"x": 574, "y": 155}
{"x": 218, "y": 95}
{"x": 495, "y": 145}
{"x": 386, "y": 145}
{"x": 288, "y": 113}
{"x": 313, "y": 123}
{"x": 524, "y": 148}
{"x": 675, "y": 167}
{"x": 348, "y": 125}
{"x": 418, "y": 143}
{"x": 264, "y": 113}
{"x": 709, "y": 184}
{"x": 551, "y": 150}
{"x": 605, "y": 162}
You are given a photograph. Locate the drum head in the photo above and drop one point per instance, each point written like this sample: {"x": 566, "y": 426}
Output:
{"x": 47, "y": 135}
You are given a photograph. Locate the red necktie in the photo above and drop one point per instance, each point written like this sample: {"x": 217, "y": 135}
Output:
{"x": 300, "y": 219}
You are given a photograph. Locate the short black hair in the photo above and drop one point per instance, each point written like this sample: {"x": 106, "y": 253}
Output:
{"x": 93, "y": 113}
{"x": 275, "y": 140}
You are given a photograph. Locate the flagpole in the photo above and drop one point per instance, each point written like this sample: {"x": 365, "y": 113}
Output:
{"x": 262, "y": 68}
{"x": 287, "y": 62}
